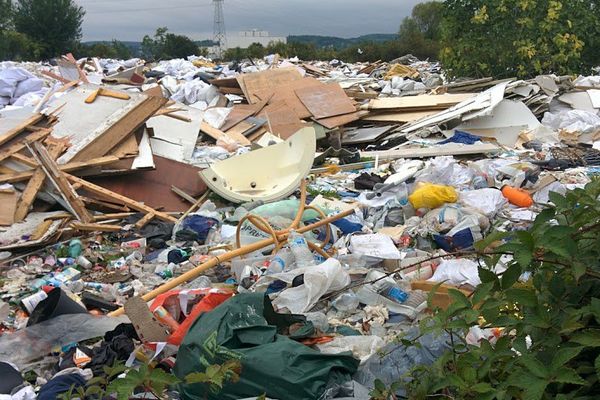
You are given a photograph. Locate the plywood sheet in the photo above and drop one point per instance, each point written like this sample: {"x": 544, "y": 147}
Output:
{"x": 340, "y": 120}
{"x": 257, "y": 81}
{"x": 286, "y": 93}
{"x": 282, "y": 121}
{"x": 326, "y": 100}
{"x": 82, "y": 123}
{"x": 153, "y": 187}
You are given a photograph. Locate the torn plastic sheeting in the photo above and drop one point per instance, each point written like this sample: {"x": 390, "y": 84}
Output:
{"x": 572, "y": 121}
{"x": 267, "y": 174}
{"x": 394, "y": 361}
{"x": 36, "y": 341}
{"x": 362, "y": 347}
{"x": 318, "y": 280}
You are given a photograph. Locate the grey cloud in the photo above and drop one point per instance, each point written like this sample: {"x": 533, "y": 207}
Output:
{"x": 132, "y": 19}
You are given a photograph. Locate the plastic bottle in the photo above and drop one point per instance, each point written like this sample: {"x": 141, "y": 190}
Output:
{"x": 280, "y": 262}
{"x": 516, "y": 196}
{"x": 302, "y": 254}
{"x": 392, "y": 292}
{"x": 346, "y": 302}
{"x": 75, "y": 248}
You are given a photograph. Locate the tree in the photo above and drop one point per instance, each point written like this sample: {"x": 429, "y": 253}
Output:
{"x": 420, "y": 33}
{"x": 54, "y": 24}
{"x": 255, "y": 50}
{"x": 122, "y": 51}
{"x": 428, "y": 18}
{"x": 520, "y": 37}
{"x": 167, "y": 45}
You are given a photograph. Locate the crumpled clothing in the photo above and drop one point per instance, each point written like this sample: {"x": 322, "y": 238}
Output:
{"x": 59, "y": 385}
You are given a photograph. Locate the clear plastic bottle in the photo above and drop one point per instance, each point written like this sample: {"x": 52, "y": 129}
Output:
{"x": 280, "y": 262}
{"x": 346, "y": 302}
{"x": 302, "y": 254}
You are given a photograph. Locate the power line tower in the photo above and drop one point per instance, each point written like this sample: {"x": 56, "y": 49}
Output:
{"x": 219, "y": 28}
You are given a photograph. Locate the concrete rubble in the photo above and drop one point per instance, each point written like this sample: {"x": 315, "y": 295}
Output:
{"x": 139, "y": 198}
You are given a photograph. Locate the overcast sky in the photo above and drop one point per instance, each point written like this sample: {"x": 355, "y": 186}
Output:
{"x": 132, "y": 19}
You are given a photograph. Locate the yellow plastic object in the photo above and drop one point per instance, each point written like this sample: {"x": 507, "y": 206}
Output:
{"x": 432, "y": 196}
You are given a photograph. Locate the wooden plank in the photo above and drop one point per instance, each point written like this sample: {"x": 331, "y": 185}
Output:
{"x": 325, "y": 101}
{"x": 15, "y": 148}
{"x": 422, "y": 102}
{"x": 103, "y": 204}
{"x": 183, "y": 194}
{"x": 54, "y": 76}
{"x": 313, "y": 70}
{"x": 119, "y": 131}
{"x": 70, "y": 167}
{"x": 30, "y": 162}
{"x": 219, "y": 134}
{"x": 8, "y": 199}
{"x": 144, "y": 221}
{"x": 105, "y": 217}
{"x": 41, "y": 229}
{"x": 257, "y": 81}
{"x": 89, "y": 227}
{"x": 34, "y": 185}
{"x": 118, "y": 198}
{"x": 59, "y": 181}
{"x": 14, "y": 132}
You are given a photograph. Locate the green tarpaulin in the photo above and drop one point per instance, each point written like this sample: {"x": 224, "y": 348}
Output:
{"x": 247, "y": 328}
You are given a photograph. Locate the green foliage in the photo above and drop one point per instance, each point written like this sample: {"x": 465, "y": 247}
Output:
{"x": 550, "y": 347}
{"x": 520, "y": 37}
{"x": 165, "y": 45}
{"x": 54, "y": 25}
{"x": 154, "y": 380}
{"x": 216, "y": 376}
{"x": 6, "y": 14}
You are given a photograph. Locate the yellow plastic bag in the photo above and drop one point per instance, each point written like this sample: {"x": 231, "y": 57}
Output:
{"x": 428, "y": 195}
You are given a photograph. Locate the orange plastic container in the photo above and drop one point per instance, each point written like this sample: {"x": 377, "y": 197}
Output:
{"x": 516, "y": 196}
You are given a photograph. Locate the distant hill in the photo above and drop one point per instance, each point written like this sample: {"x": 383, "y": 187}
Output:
{"x": 340, "y": 43}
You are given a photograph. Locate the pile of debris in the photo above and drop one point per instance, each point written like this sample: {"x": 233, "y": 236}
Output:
{"x": 271, "y": 216}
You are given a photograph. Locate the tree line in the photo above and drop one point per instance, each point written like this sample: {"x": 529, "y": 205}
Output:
{"x": 472, "y": 38}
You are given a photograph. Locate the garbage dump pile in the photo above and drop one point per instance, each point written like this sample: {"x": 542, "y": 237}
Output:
{"x": 287, "y": 219}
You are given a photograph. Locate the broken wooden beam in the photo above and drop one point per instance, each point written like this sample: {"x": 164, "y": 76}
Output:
{"x": 69, "y": 167}
{"x": 59, "y": 181}
{"x": 34, "y": 185}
